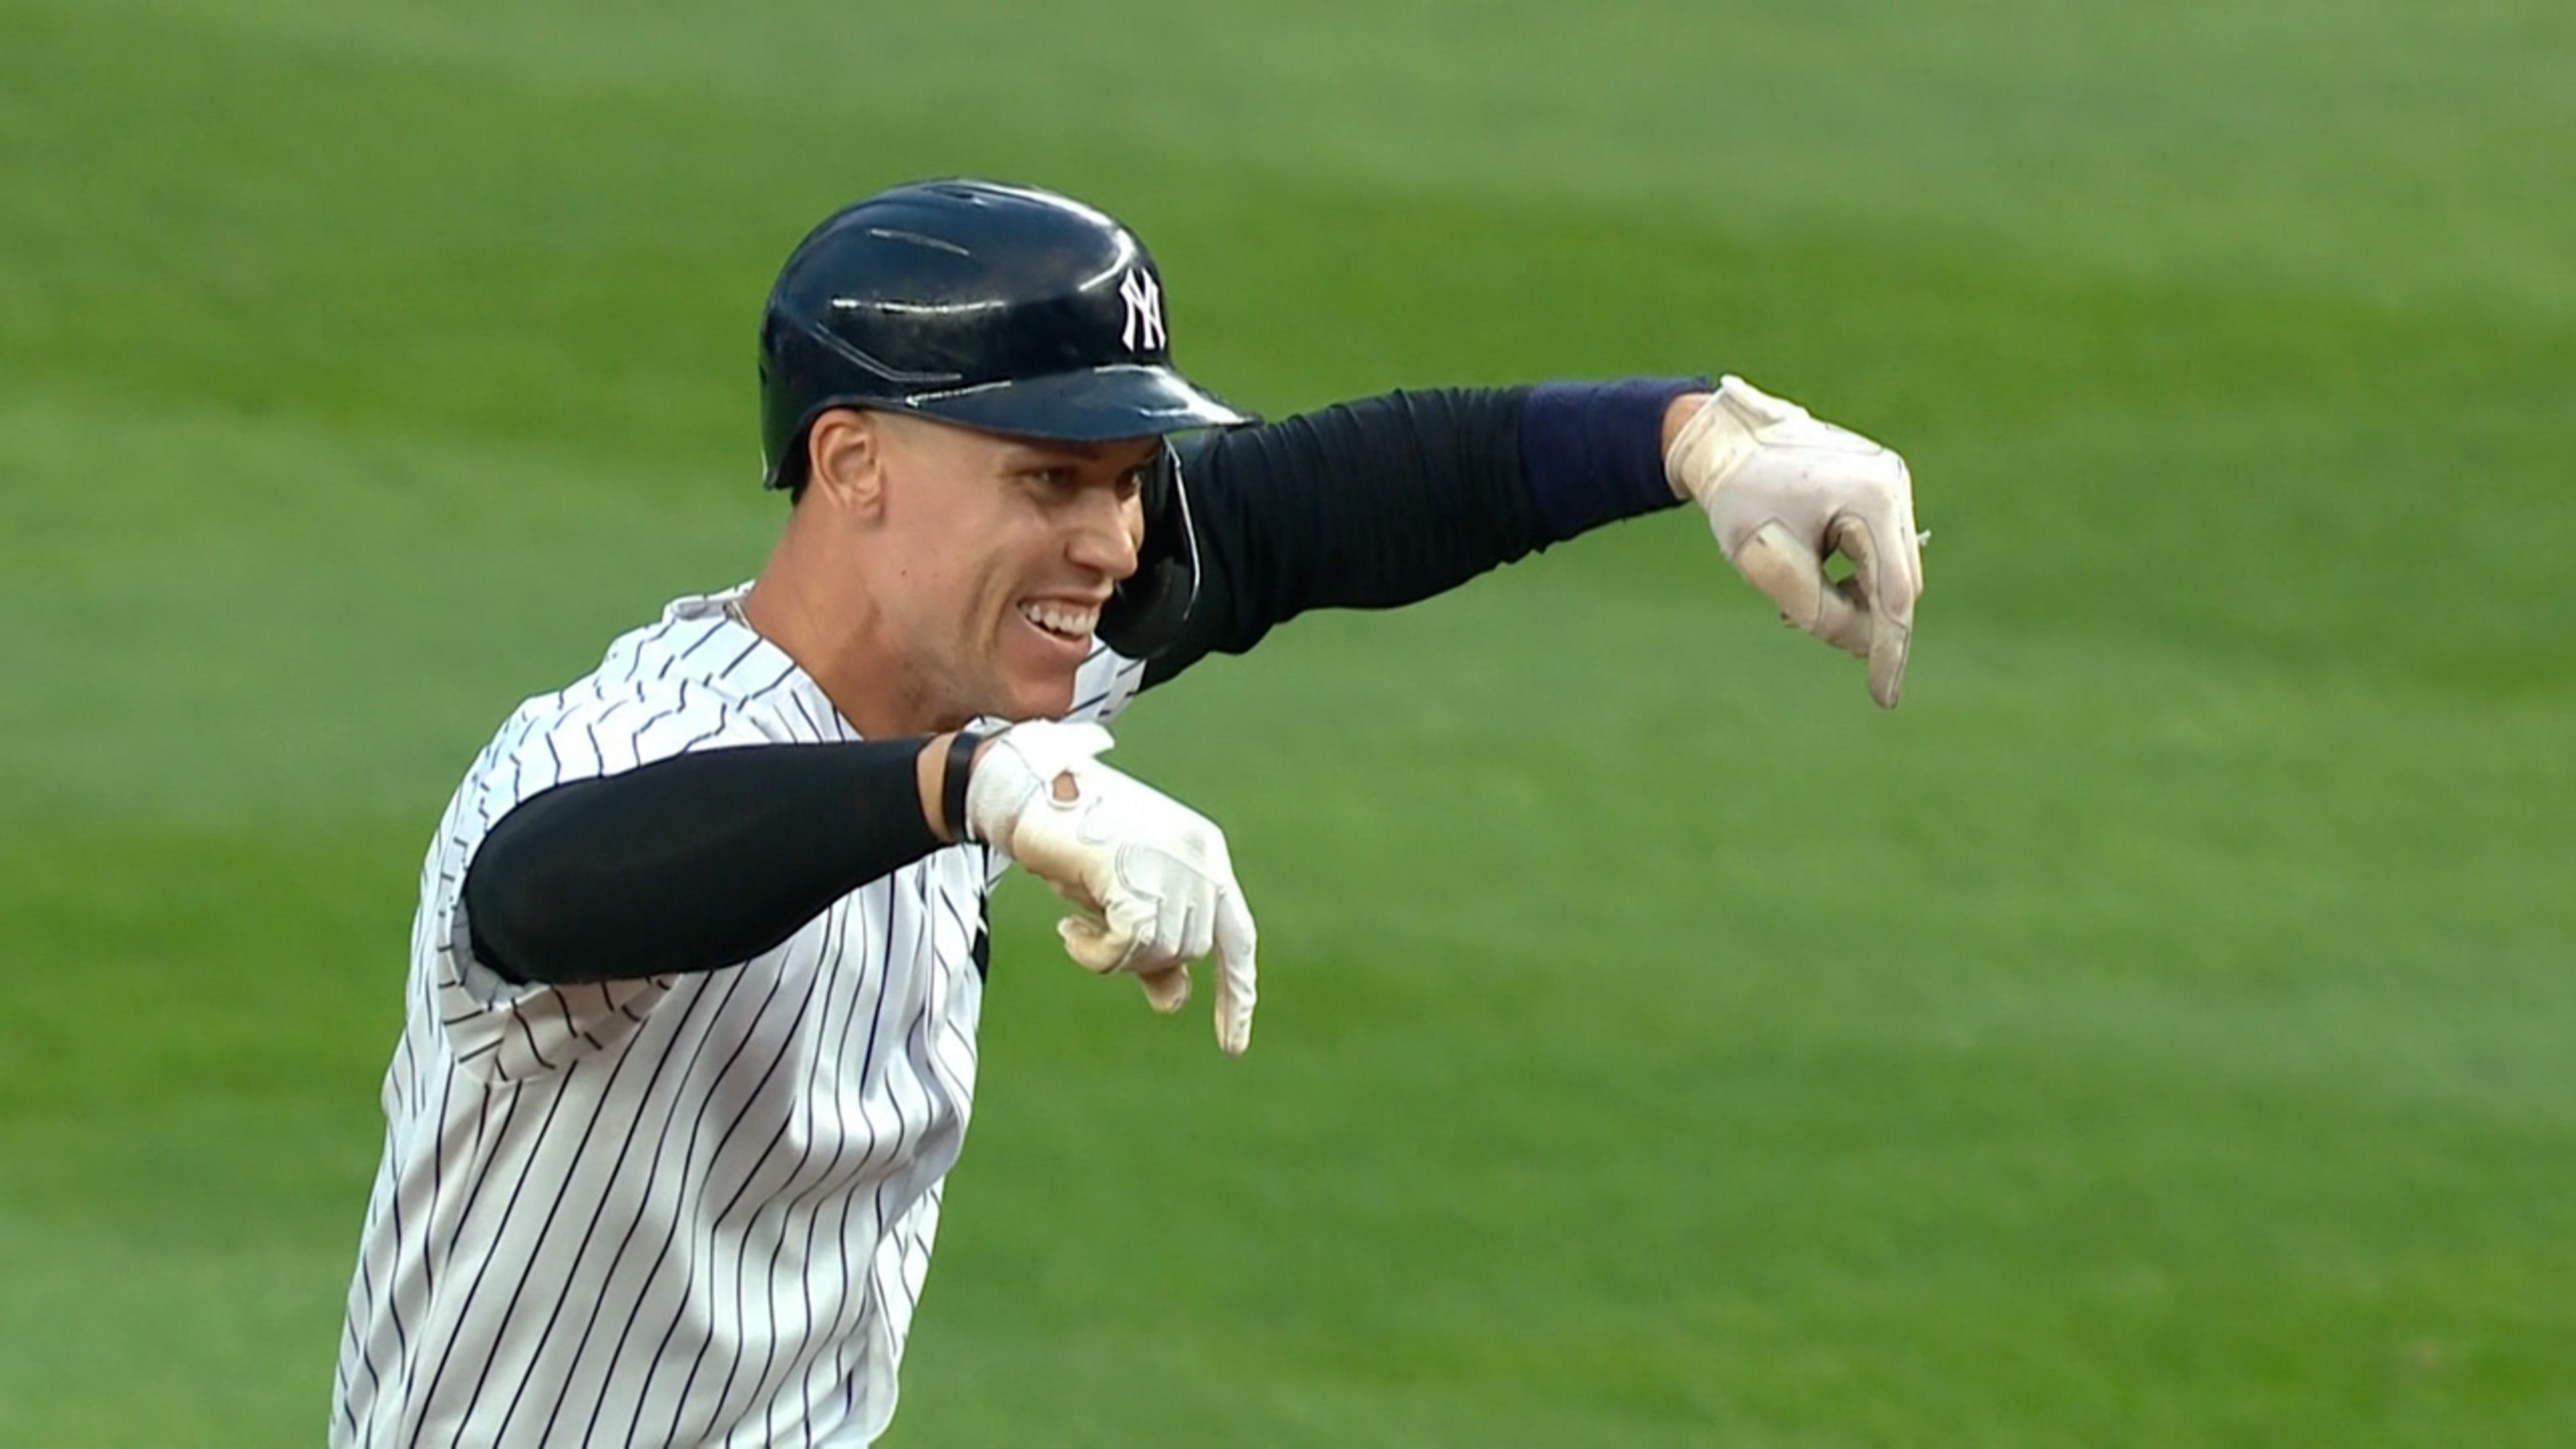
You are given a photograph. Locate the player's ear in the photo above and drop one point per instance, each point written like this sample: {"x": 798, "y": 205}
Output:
{"x": 845, "y": 457}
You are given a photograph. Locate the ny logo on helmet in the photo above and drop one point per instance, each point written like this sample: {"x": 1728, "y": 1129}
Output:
{"x": 1144, "y": 329}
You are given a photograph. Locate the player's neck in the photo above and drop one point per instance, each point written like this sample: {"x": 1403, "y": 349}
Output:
{"x": 824, "y": 619}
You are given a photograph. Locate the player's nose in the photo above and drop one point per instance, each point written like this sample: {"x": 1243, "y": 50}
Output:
{"x": 1107, "y": 533}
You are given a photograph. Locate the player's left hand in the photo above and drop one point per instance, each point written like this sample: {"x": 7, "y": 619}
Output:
{"x": 1783, "y": 493}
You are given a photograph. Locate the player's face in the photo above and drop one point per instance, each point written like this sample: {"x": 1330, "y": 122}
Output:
{"x": 1005, "y": 550}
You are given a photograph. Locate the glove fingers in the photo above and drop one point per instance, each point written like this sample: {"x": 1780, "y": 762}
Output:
{"x": 1884, "y": 584}
{"x": 1172, "y": 923}
{"x": 1105, "y": 951}
{"x": 1886, "y": 554}
{"x": 1095, "y": 946}
{"x": 1788, "y": 573}
{"x": 1236, "y": 944}
{"x": 1074, "y": 894}
{"x": 1887, "y": 653}
{"x": 1197, "y": 934}
{"x": 1166, "y": 991}
{"x": 1843, "y": 620}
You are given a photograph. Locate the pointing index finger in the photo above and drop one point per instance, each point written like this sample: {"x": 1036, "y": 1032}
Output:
{"x": 1885, "y": 569}
{"x": 1236, "y": 941}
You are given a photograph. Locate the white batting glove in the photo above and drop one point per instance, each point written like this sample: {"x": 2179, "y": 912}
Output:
{"x": 1149, "y": 876}
{"x": 1783, "y": 492}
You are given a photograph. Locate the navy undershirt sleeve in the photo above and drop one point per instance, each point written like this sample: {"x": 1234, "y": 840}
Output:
{"x": 1593, "y": 453}
{"x": 691, "y": 863}
{"x": 1392, "y": 499}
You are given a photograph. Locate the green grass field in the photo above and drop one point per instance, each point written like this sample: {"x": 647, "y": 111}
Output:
{"x": 2160, "y": 1032}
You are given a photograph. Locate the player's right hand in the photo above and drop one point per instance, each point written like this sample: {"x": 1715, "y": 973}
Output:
{"x": 1150, "y": 877}
{"x": 1784, "y": 492}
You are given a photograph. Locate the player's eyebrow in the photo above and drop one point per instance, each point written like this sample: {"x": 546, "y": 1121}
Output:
{"x": 1086, "y": 451}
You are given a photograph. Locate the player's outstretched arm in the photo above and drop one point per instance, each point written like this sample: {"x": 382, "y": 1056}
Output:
{"x": 1387, "y": 500}
{"x": 1149, "y": 878}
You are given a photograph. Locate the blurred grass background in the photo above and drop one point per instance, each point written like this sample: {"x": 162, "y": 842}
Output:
{"x": 2156, "y": 1033}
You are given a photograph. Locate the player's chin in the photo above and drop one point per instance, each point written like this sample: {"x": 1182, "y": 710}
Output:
{"x": 1038, "y": 683}
{"x": 1030, "y": 699}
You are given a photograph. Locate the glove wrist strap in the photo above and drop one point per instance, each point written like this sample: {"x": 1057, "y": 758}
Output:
{"x": 952, "y": 785}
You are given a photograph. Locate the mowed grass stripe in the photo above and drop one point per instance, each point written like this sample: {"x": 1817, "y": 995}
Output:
{"x": 261, "y": 619}
{"x": 2387, "y": 150}
{"x": 2050, "y": 1250}
{"x": 426, "y": 237}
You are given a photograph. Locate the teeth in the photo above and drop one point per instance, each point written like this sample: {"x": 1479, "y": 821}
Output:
{"x": 1072, "y": 623}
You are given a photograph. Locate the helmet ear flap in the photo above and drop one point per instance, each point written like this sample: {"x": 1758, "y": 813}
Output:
{"x": 1144, "y": 616}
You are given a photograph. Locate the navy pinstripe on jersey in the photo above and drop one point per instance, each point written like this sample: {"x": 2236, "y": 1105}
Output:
{"x": 685, "y": 1209}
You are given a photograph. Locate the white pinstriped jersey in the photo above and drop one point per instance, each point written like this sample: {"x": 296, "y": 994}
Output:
{"x": 680, "y": 1210}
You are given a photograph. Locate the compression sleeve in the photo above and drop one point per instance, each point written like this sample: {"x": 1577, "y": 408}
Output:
{"x": 1392, "y": 499}
{"x": 690, "y": 863}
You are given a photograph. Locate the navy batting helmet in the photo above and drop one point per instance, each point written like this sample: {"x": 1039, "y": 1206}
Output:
{"x": 1001, "y": 308}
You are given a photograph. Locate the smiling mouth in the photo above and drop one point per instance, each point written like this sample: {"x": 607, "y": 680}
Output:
{"x": 1070, "y": 622}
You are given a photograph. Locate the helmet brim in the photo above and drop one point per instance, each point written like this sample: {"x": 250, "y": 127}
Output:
{"x": 1096, "y": 405}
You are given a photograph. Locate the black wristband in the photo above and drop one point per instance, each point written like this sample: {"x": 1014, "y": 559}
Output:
{"x": 952, "y": 787}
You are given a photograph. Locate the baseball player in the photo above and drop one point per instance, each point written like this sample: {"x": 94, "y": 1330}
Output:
{"x": 690, "y": 1027}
